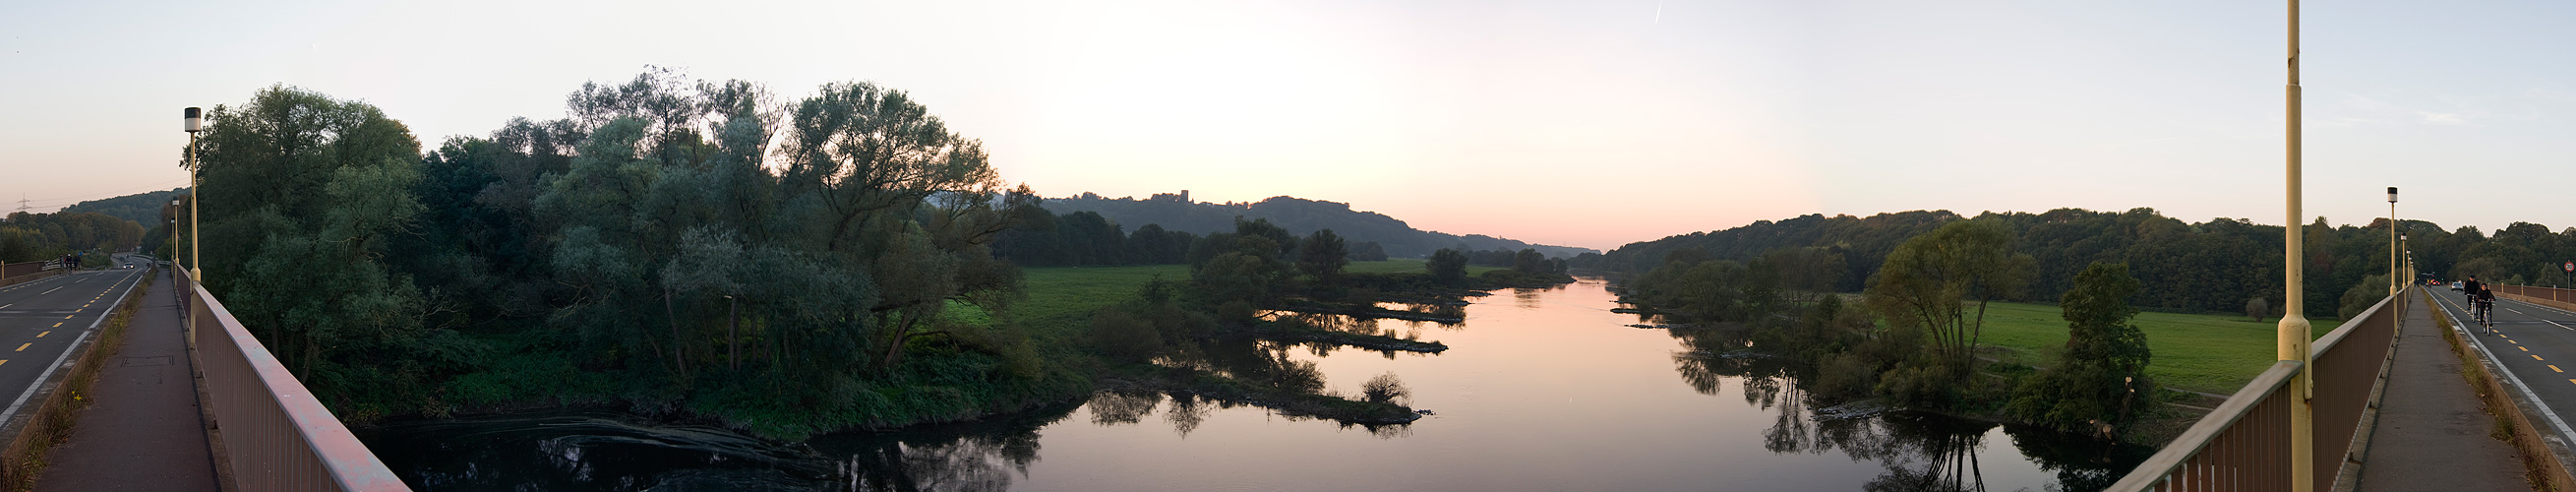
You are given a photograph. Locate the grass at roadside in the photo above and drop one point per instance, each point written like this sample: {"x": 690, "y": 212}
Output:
{"x": 2200, "y": 352}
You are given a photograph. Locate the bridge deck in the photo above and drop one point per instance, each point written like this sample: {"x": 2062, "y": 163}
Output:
{"x": 2433, "y": 432}
{"x": 142, "y": 431}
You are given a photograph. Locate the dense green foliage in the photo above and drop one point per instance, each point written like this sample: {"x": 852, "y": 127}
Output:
{"x": 1924, "y": 281}
{"x": 44, "y": 237}
{"x": 2213, "y": 266}
{"x": 1086, "y": 238}
{"x": 653, "y": 248}
{"x": 1296, "y": 215}
{"x": 2101, "y": 383}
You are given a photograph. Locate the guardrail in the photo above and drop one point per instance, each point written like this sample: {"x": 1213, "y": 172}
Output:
{"x": 2557, "y": 298}
{"x": 274, "y": 435}
{"x": 24, "y": 268}
{"x": 2245, "y": 443}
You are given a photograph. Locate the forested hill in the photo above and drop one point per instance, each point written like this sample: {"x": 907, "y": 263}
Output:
{"x": 1297, "y": 215}
{"x": 142, "y": 208}
{"x": 2218, "y": 265}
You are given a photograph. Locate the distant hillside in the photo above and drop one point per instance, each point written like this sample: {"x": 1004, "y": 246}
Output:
{"x": 1298, "y": 215}
{"x": 2211, "y": 266}
{"x": 142, "y": 208}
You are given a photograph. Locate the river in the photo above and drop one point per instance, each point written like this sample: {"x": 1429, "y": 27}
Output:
{"x": 1541, "y": 389}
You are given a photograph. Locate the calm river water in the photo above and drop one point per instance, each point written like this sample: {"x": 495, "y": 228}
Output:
{"x": 1541, "y": 390}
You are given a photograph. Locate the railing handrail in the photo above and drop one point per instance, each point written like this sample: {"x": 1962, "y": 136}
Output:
{"x": 340, "y": 453}
{"x": 2175, "y": 453}
{"x": 2318, "y": 348}
{"x": 2183, "y": 448}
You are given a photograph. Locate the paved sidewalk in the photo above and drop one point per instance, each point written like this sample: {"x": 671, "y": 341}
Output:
{"x": 141, "y": 431}
{"x": 2432, "y": 432}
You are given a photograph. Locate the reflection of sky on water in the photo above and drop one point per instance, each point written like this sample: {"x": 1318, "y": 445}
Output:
{"x": 1551, "y": 393}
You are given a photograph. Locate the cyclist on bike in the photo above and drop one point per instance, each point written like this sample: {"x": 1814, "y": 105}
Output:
{"x": 2471, "y": 287}
{"x": 2486, "y": 307}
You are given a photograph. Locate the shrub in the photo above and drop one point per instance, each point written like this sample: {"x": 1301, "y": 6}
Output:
{"x": 1845, "y": 375}
{"x": 1123, "y": 336}
{"x": 1385, "y": 388}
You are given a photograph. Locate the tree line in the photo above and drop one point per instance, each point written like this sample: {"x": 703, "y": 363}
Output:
{"x": 2215, "y": 266}
{"x": 1087, "y": 238}
{"x": 1912, "y": 337}
{"x": 44, "y": 237}
{"x": 1399, "y": 239}
{"x": 790, "y": 266}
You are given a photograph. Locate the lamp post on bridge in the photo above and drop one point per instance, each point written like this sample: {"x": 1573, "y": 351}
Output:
{"x": 173, "y": 252}
{"x": 2393, "y": 283}
{"x": 2293, "y": 336}
{"x": 196, "y": 186}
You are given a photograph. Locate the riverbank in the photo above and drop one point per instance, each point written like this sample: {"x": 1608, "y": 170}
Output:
{"x": 1045, "y": 357}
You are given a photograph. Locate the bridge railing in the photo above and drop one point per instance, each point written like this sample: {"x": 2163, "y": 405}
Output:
{"x": 274, "y": 435}
{"x": 2245, "y": 443}
{"x": 2557, "y": 298}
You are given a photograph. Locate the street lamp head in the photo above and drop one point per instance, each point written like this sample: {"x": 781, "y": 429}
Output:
{"x": 2392, "y": 194}
{"x": 196, "y": 120}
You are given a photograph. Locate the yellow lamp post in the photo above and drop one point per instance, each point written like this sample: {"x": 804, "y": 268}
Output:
{"x": 196, "y": 187}
{"x": 2293, "y": 335}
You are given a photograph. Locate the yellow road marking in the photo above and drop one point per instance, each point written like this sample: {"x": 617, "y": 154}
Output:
{"x": 42, "y": 335}
{"x": 2525, "y": 349}
{"x": 2512, "y": 342}
{"x": 2555, "y": 368}
{"x": 2535, "y": 357}
{"x": 58, "y": 324}
{"x": 23, "y": 346}
{"x": 67, "y": 316}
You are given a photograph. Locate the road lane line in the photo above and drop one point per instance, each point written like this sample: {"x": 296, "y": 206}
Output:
{"x": 2553, "y": 368}
{"x": 2536, "y": 357}
{"x": 42, "y": 335}
{"x": 21, "y": 402}
{"x": 23, "y": 347}
{"x": 2490, "y": 358}
{"x": 6, "y": 306}
{"x": 2525, "y": 349}
{"x": 69, "y": 316}
{"x": 51, "y": 291}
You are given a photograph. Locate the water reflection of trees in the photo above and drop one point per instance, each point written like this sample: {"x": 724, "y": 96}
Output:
{"x": 985, "y": 455}
{"x": 1260, "y": 362}
{"x": 1919, "y": 452}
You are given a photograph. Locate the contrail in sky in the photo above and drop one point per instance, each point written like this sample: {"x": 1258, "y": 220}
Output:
{"x": 1659, "y": 12}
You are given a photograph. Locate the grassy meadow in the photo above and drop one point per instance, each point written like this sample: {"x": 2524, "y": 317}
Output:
{"x": 2200, "y": 352}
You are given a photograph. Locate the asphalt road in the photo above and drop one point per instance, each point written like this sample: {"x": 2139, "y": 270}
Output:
{"x": 2535, "y": 344}
{"x": 40, "y": 320}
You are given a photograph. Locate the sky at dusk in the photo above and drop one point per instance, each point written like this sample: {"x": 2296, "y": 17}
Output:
{"x": 1590, "y": 123}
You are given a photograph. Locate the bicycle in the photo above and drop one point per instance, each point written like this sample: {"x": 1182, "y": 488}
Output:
{"x": 2484, "y": 311}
